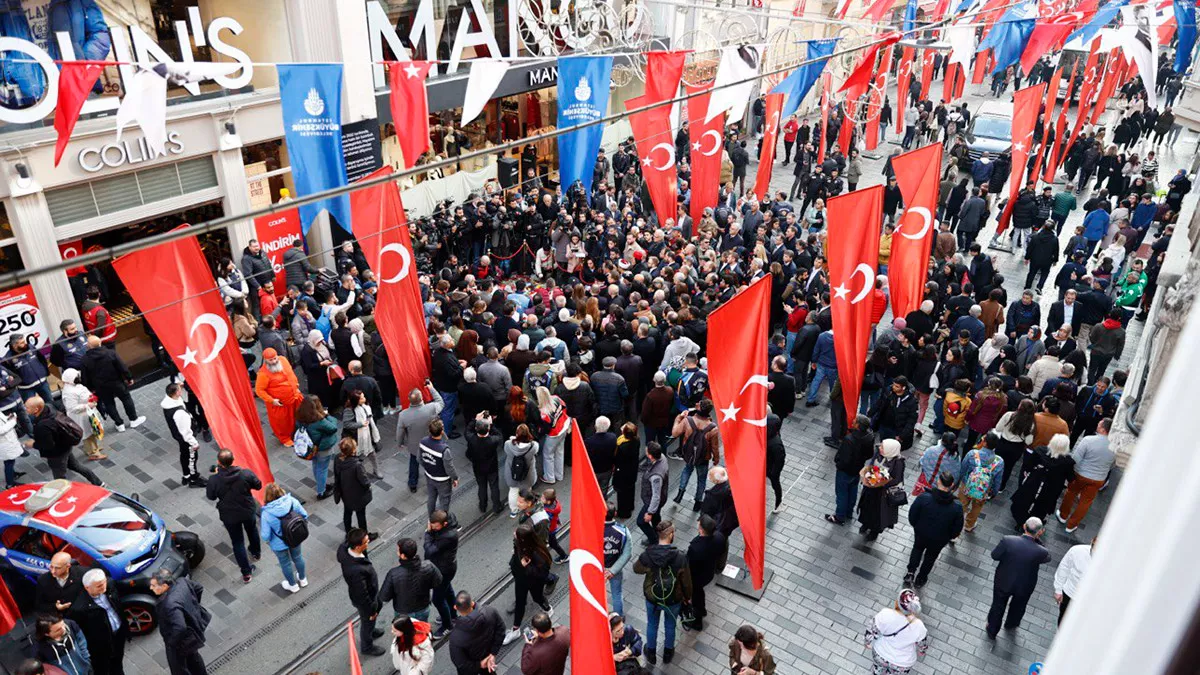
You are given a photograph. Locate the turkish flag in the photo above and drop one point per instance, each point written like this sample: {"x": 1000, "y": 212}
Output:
{"x": 410, "y": 107}
{"x": 1049, "y": 33}
{"x": 1112, "y": 70}
{"x": 1047, "y": 120}
{"x": 903, "y": 80}
{"x": 917, "y": 176}
{"x": 1060, "y": 127}
{"x": 858, "y": 80}
{"x": 1026, "y": 103}
{"x": 591, "y": 648}
{"x": 664, "y": 70}
{"x": 171, "y": 283}
{"x": 9, "y": 612}
{"x": 983, "y": 63}
{"x": 855, "y": 220}
{"x": 766, "y": 159}
{"x": 381, "y": 228}
{"x": 656, "y": 150}
{"x": 355, "y": 663}
{"x": 874, "y": 105}
{"x": 738, "y": 335}
{"x": 926, "y": 72}
{"x": 706, "y": 151}
{"x": 876, "y": 11}
{"x": 75, "y": 82}
{"x": 825, "y": 82}
{"x": 1087, "y": 91}
{"x": 849, "y": 121}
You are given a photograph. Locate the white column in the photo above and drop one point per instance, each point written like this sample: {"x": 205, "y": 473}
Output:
{"x": 231, "y": 173}
{"x": 31, "y": 224}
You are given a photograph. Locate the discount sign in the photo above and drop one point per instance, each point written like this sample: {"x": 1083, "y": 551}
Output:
{"x": 275, "y": 234}
{"x": 19, "y": 314}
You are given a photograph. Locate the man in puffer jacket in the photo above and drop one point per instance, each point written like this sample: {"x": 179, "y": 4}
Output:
{"x": 611, "y": 391}
{"x": 937, "y": 519}
{"x": 257, "y": 269}
{"x": 409, "y": 585}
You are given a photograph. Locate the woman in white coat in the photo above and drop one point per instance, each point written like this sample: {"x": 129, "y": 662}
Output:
{"x": 358, "y": 422}
{"x": 10, "y": 448}
{"x": 412, "y": 648}
{"x": 80, "y": 405}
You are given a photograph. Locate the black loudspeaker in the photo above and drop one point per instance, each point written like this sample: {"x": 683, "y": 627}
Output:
{"x": 508, "y": 171}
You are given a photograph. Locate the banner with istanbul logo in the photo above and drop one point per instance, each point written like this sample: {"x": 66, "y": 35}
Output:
{"x": 311, "y": 98}
{"x": 583, "y": 83}
{"x": 276, "y": 233}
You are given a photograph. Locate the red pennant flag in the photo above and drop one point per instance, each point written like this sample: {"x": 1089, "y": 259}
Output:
{"x": 1112, "y": 70}
{"x": 983, "y": 63}
{"x": 355, "y": 663}
{"x": 1049, "y": 33}
{"x": 1047, "y": 120}
{"x": 917, "y": 175}
{"x": 874, "y": 105}
{"x": 410, "y": 107}
{"x": 381, "y": 229}
{"x": 9, "y": 612}
{"x": 664, "y": 70}
{"x": 591, "y": 650}
{"x": 75, "y": 82}
{"x": 737, "y": 376}
{"x": 825, "y": 82}
{"x": 849, "y": 121}
{"x": 876, "y": 11}
{"x": 656, "y": 149}
{"x": 1087, "y": 91}
{"x": 1026, "y": 103}
{"x": 903, "y": 79}
{"x": 856, "y": 83}
{"x": 1060, "y": 127}
{"x": 706, "y": 151}
{"x": 766, "y": 159}
{"x": 926, "y": 72}
{"x": 171, "y": 283}
{"x": 950, "y": 82}
{"x": 855, "y": 221}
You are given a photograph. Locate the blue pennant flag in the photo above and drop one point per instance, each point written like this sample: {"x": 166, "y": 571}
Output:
{"x": 1185, "y": 32}
{"x": 1102, "y": 18}
{"x": 910, "y": 15}
{"x": 1008, "y": 37}
{"x": 797, "y": 85}
{"x": 583, "y": 83}
{"x": 311, "y": 98}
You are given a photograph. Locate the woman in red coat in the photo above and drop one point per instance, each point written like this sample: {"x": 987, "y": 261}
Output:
{"x": 985, "y": 411}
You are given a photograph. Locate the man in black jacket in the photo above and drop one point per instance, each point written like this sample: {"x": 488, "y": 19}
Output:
{"x": 718, "y": 501}
{"x": 802, "y": 350}
{"x": 1041, "y": 254}
{"x": 937, "y": 519}
{"x": 477, "y": 637}
{"x": 363, "y": 585}
{"x": 369, "y": 386}
{"x": 232, "y": 488}
{"x": 782, "y": 394}
{"x": 96, "y": 611}
{"x": 57, "y": 590}
{"x": 895, "y": 413}
{"x": 54, "y": 439}
{"x": 1016, "y": 575}
{"x": 483, "y": 450}
{"x": 409, "y": 585}
{"x": 855, "y": 449}
{"x": 980, "y": 271}
{"x": 705, "y": 549}
{"x": 182, "y": 621}
{"x": 446, "y": 375}
{"x": 441, "y": 549}
{"x": 107, "y": 376}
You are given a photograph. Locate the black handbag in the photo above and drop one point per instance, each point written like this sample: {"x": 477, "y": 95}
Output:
{"x": 896, "y": 496}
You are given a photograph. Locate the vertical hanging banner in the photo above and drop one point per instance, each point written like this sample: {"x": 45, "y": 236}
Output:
{"x": 766, "y": 159}
{"x": 1185, "y": 20}
{"x": 826, "y": 81}
{"x": 656, "y": 151}
{"x": 1026, "y": 103}
{"x": 664, "y": 70}
{"x": 311, "y": 99}
{"x": 75, "y": 83}
{"x": 276, "y": 233}
{"x": 381, "y": 229}
{"x": 874, "y": 106}
{"x": 983, "y": 62}
{"x": 737, "y": 377}
{"x": 855, "y": 220}
{"x": 1047, "y": 121}
{"x": 171, "y": 283}
{"x": 583, "y": 84}
{"x": 849, "y": 122}
{"x": 409, "y": 102}
{"x": 591, "y": 650}
{"x": 706, "y": 152}
{"x": 903, "y": 80}
{"x": 1111, "y": 75}
{"x": 1060, "y": 127}
{"x": 917, "y": 176}
{"x": 737, "y": 69}
{"x": 927, "y": 61}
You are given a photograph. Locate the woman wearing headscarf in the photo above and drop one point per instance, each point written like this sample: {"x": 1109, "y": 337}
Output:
{"x": 315, "y": 360}
{"x": 358, "y": 422}
{"x": 362, "y": 345}
{"x": 896, "y": 636}
{"x": 80, "y": 404}
{"x": 1044, "y": 473}
{"x": 992, "y": 349}
{"x": 876, "y": 512}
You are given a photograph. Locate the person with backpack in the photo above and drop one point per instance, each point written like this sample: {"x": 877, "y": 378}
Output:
{"x": 284, "y": 527}
{"x": 617, "y": 553}
{"x": 936, "y": 521}
{"x": 667, "y": 587}
{"x": 409, "y": 585}
{"x": 55, "y": 437}
{"x": 699, "y": 443}
{"x": 520, "y": 456}
{"x": 179, "y": 423}
{"x": 982, "y": 470}
{"x": 322, "y": 434}
{"x": 232, "y": 488}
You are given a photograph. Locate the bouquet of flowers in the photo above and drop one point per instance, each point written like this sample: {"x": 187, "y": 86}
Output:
{"x": 876, "y": 476}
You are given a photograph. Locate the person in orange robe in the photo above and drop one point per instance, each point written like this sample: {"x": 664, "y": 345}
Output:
{"x": 278, "y": 387}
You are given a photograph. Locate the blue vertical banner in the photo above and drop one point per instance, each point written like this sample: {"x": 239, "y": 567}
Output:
{"x": 583, "y": 85}
{"x": 311, "y": 97}
{"x": 1185, "y": 29}
{"x": 910, "y": 16}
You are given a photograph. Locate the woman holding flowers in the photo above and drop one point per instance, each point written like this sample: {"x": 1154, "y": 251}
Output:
{"x": 882, "y": 476}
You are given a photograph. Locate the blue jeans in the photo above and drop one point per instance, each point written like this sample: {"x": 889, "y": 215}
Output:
{"x": 791, "y": 341}
{"x": 443, "y": 598}
{"x": 450, "y": 399}
{"x": 289, "y": 557}
{"x": 701, "y": 471}
{"x": 420, "y": 614}
{"x": 320, "y": 466}
{"x": 653, "y": 612}
{"x": 10, "y": 473}
{"x": 939, "y": 419}
{"x": 414, "y": 471}
{"x": 42, "y": 390}
{"x": 868, "y": 399}
{"x": 615, "y": 588}
{"x": 238, "y": 544}
{"x": 845, "y": 486}
{"x": 822, "y": 374}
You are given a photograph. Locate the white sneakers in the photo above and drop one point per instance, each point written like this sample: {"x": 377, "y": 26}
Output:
{"x": 138, "y": 422}
{"x": 303, "y": 582}
{"x": 289, "y": 587}
{"x": 120, "y": 427}
{"x": 512, "y": 636}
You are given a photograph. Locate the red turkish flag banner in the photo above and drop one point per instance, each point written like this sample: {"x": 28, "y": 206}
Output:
{"x": 1060, "y": 126}
{"x": 664, "y": 70}
{"x": 874, "y": 105}
{"x": 876, "y": 11}
{"x": 1026, "y": 103}
{"x": 1048, "y": 34}
{"x": 849, "y": 121}
{"x": 903, "y": 80}
{"x": 855, "y": 220}
{"x": 1048, "y": 118}
{"x": 656, "y": 150}
{"x": 171, "y": 283}
{"x": 917, "y": 176}
{"x": 1112, "y": 70}
{"x": 75, "y": 82}
{"x": 983, "y": 61}
{"x": 382, "y": 230}
{"x": 856, "y": 83}
{"x": 926, "y": 72}
{"x": 825, "y": 82}
{"x": 591, "y": 648}
{"x": 1087, "y": 91}
{"x": 355, "y": 663}
{"x": 10, "y": 613}
{"x": 410, "y": 107}
{"x": 738, "y": 335}
{"x": 766, "y": 159}
{"x": 706, "y": 152}
{"x": 65, "y": 513}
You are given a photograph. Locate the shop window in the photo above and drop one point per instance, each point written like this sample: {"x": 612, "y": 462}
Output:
{"x": 118, "y": 193}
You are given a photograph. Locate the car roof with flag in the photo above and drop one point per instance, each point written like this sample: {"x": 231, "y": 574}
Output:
{"x": 64, "y": 513}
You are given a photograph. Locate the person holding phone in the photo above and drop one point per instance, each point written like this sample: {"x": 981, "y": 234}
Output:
{"x": 546, "y": 647}
{"x": 748, "y": 653}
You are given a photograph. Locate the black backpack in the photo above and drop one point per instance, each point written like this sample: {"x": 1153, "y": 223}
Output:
{"x": 693, "y": 448}
{"x": 519, "y": 467}
{"x": 293, "y": 528}
{"x": 662, "y": 585}
{"x": 65, "y": 430}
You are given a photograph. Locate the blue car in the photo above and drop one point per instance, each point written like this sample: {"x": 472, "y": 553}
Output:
{"x": 98, "y": 528}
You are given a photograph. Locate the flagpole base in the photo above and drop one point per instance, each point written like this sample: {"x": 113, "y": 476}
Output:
{"x": 736, "y": 578}
{"x": 996, "y": 245}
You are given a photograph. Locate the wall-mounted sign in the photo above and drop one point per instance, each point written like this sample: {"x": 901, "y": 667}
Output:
{"x": 543, "y": 77}
{"x": 361, "y": 148}
{"x": 19, "y": 313}
{"x": 276, "y": 233}
{"x": 112, "y": 155}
